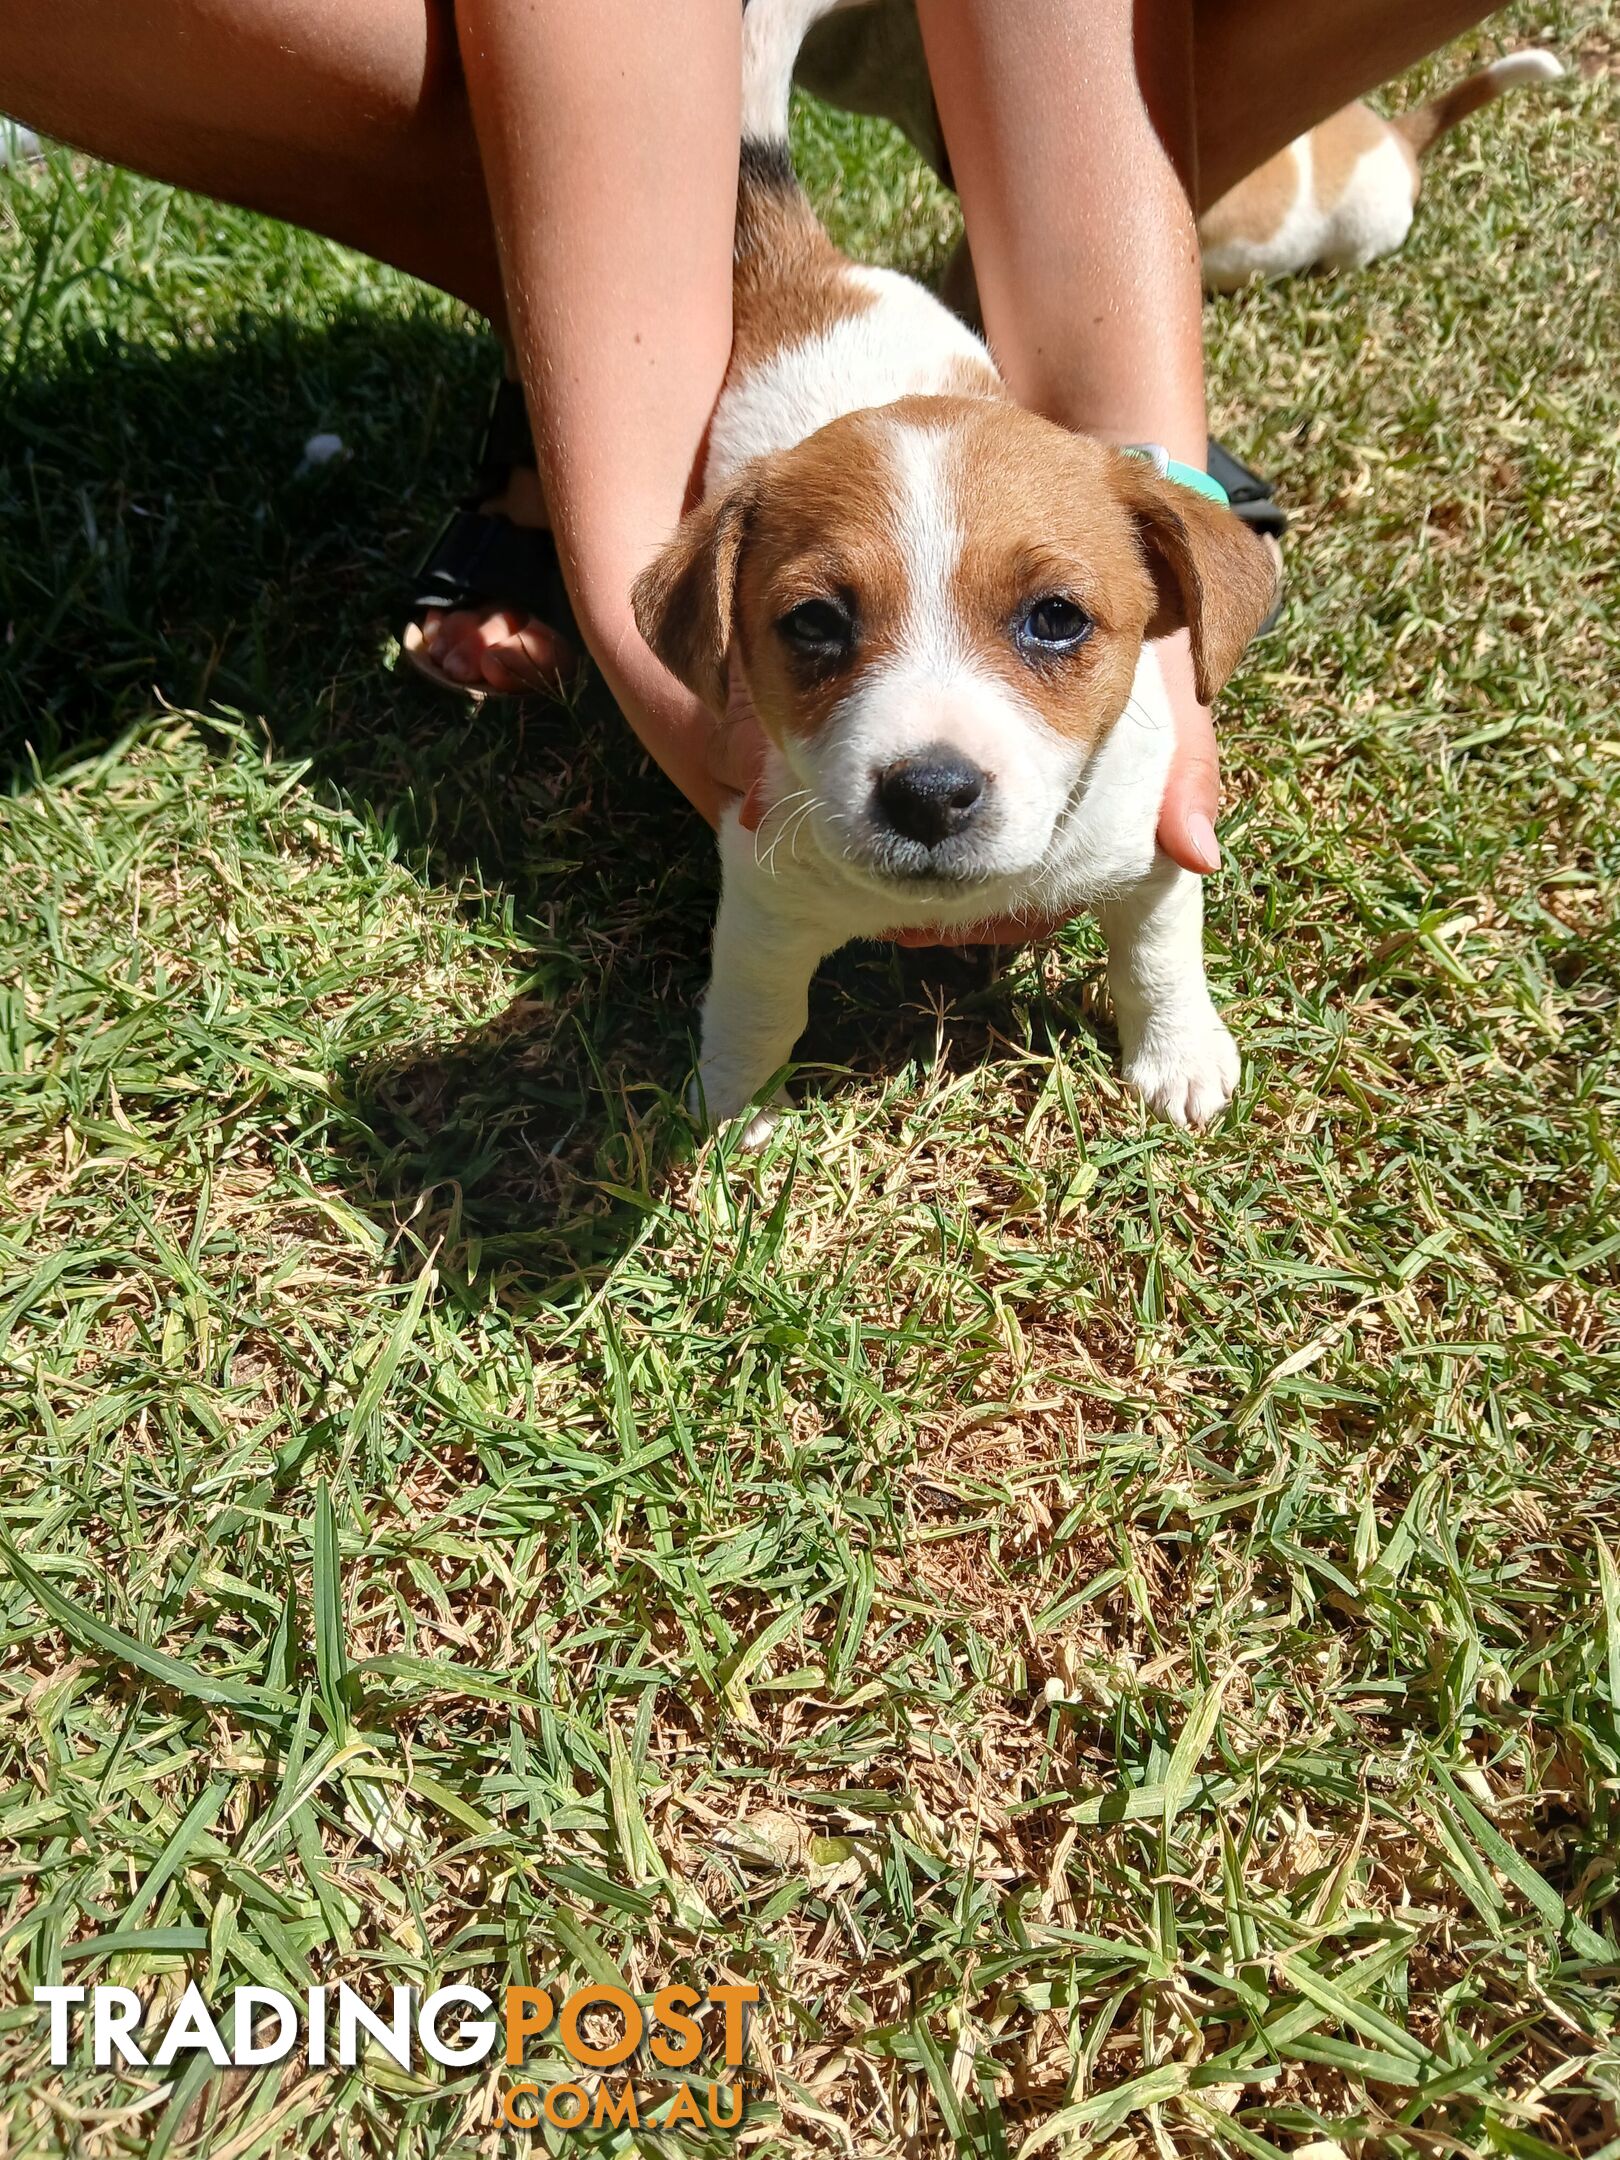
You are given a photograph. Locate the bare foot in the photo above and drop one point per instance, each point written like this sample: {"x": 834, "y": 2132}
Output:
{"x": 495, "y": 648}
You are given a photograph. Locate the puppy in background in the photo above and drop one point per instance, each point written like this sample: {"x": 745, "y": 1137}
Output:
{"x": 941, "y": 608}
{"x": 1335, "y": 199}
{"x": 1344, "y": 194}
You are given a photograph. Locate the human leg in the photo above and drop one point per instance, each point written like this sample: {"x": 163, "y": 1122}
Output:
{"x": 351, "y": 120}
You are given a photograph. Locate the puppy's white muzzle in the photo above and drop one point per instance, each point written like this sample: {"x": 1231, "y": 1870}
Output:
{"x": 934, "y": 784}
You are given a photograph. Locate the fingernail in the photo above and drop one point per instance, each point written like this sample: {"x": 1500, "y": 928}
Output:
{"x": 1205, "y": 846}
{"x": 459, "y": 665}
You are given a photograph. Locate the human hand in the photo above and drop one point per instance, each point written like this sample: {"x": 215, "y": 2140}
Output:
{"x": 1192, "y": 792}
{"x": 716, "y": 762}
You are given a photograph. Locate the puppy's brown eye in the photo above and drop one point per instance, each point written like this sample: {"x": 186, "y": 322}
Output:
{"x": 818, "y": 629}
{"x": 1053, "y": 624}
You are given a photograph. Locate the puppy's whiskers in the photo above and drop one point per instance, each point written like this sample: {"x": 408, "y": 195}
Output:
{"x": 797, "y": 809}
{"x": 783, "y": 811}
{"x": 1137, "y": 711}
{"x": 814, "y": 804}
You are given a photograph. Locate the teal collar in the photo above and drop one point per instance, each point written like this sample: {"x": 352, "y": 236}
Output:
{"x": 1169, "y": 468}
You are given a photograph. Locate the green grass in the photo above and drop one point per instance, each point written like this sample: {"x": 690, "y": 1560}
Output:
{"x": 1118, "y": 1635}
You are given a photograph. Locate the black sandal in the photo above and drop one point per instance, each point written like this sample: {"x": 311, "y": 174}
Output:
{"x": 481, "y": 559}
{"x": 1252, "y": 500}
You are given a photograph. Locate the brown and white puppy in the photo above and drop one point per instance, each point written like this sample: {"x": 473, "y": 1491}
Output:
{"x": 938, "y": 604}
{"x": 1344, "y": 194}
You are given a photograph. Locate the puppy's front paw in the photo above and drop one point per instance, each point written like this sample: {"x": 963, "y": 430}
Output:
{"x": 1185, "y": 1069}
{"x": 760, "y": 1126}
{"x": 714, "y": 1100}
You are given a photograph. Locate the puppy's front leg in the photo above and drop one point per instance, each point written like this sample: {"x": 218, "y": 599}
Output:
{"x": 1178, "y": 1055}
{"x": 755, "y": 1007}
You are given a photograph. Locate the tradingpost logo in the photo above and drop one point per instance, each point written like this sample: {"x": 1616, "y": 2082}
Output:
{"x": 457, "y": 2027}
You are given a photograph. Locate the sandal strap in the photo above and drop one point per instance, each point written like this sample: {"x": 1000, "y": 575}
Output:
{"x": 1251, "y": 497}
{"x": 480, "y": 559}
{"x": 506, "y": 440}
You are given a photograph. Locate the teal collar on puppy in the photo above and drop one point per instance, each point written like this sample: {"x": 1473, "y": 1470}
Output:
{"x": 1169, "y": 468}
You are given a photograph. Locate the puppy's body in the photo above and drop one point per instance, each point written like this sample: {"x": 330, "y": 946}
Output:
{"x": 937, "y": 604}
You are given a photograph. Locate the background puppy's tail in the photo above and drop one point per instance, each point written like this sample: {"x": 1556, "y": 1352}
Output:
{"x": 1425, "y": 124}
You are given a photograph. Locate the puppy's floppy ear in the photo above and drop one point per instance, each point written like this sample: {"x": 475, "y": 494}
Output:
{"x": 685, "y": 600}
{"x": 1215, "y": 578}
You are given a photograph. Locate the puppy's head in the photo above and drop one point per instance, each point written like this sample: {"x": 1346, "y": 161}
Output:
{"x": 938, "y": 607}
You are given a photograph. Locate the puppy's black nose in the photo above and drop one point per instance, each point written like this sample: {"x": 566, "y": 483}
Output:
{"x": 930, "y": 796}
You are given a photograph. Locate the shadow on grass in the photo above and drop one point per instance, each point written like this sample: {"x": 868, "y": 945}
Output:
{"x": 156, "y": 532}
{"x": 535, "y": 1144}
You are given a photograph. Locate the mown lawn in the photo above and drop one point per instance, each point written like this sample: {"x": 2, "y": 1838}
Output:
{"x": 1119, "y": 1635}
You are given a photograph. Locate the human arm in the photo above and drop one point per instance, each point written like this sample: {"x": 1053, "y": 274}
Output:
{"x": 608, "y": 137}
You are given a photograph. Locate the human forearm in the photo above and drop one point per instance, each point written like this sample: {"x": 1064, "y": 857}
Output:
{"x": 609, "y": 141}
{"x": 1071, "y": 134}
